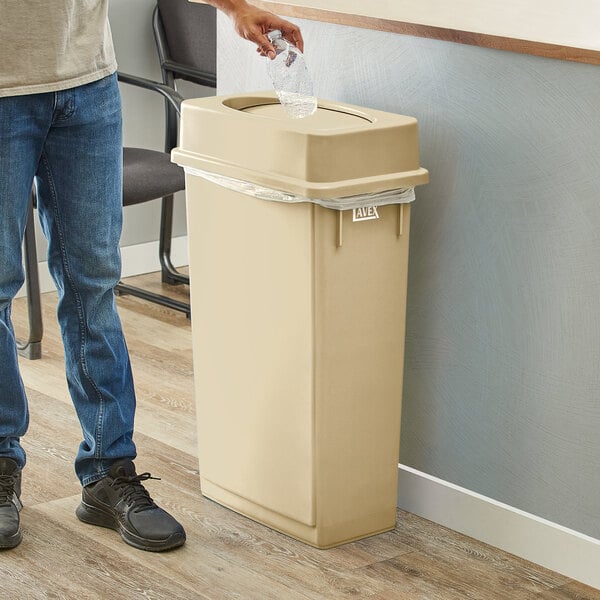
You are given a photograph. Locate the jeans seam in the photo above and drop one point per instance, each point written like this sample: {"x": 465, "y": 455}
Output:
{"x": 68, "y": 109}
{"x": 80, "y": 311}
{"x": 101, "y": 474}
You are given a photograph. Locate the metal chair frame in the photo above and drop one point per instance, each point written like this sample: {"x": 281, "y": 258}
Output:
{"x": 171, "y": 71}
{"x": 169, "y": 275}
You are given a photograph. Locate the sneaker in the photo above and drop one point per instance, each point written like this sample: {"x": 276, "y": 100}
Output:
{"x": 10, "y": 503}
{"x": 120, "y": 502}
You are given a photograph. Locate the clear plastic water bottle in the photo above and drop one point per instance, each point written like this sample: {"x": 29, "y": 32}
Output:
{"x": 290, "y": 78}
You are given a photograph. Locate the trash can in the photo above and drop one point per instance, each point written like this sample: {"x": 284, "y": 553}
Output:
{"x": 298, "y": 251}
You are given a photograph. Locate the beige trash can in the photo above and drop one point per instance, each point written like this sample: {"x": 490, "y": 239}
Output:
{"x": 298, "y": 310}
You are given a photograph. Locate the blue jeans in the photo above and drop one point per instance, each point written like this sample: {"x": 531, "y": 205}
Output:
{"x": 70, "y": 142}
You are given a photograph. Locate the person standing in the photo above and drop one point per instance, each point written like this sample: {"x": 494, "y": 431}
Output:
{"x": 60, "y": 124}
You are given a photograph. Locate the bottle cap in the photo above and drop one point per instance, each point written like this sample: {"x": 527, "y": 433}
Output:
{"x": 273, "y": 35}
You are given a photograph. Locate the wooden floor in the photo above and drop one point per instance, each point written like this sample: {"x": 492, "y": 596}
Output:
{"x": 226, "y": 556}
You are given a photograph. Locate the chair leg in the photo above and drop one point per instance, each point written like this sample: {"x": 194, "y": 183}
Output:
{"x": 169, "y": 274}
{"x": 32, "y": 347}
{"x": 122, "y": 289}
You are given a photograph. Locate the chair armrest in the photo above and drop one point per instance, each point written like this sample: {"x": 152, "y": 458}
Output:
{"x": 195, "y": 75}
{"x": 173, "y": 97}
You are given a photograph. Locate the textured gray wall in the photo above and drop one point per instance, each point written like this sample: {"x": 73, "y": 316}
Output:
{"x": 502, "y": 374}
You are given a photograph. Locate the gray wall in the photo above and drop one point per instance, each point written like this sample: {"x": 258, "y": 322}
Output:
{"x": 502, "y": 373}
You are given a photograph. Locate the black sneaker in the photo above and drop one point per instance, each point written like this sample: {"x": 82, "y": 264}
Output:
{"x": 120, "y": 502}
{"x": 10, "y": 503}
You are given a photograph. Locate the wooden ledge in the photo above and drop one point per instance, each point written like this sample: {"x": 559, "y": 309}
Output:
{"x": 581, "y": 55}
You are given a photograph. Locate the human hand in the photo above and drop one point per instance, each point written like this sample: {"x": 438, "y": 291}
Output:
{"x": 253, "y": 24}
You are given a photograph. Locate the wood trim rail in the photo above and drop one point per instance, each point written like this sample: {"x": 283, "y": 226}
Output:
{"x": 555, "y": 51}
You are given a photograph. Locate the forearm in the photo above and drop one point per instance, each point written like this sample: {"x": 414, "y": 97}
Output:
{"x": 229, "y": 7}
{"x": 253, "y": 23}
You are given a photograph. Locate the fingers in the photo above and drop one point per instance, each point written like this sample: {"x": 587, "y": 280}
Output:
{"x": 289, "y": 31}
{"x": 266, "y": 50}
{"x": 293, "y": 34}
{"x": 263, "y": 45}
{"x": 253, "y": 24}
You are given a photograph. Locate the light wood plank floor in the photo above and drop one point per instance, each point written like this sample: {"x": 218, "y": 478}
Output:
{"x": 227, "y": 556}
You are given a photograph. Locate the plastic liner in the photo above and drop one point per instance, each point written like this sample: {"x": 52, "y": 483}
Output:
{"x": 397, "y": 196}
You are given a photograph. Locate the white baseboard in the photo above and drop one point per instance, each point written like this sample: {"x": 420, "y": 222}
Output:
{"x": 553, "y": 546}
{"x": 136, "y": 260}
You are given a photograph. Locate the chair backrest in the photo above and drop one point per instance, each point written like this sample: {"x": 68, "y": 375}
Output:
{"x": 187, "y": 32}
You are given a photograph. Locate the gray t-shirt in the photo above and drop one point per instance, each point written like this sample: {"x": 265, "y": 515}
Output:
{"x": 50, "y": 45}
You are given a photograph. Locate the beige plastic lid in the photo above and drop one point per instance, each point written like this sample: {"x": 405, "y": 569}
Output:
{"x": 340, "y": 150}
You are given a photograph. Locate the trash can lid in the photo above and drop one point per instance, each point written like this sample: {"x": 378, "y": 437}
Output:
{"x": 340, "y": 150}
{"x": 323, "y": 119}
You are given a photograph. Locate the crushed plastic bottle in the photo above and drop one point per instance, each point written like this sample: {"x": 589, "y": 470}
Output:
{"x": 290, "y": 78}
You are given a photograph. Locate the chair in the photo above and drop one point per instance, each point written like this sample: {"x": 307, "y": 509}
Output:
{"x": 148, "y": 175}
{"x": 185, "y": 35}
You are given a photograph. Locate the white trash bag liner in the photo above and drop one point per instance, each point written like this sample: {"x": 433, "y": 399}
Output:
{"x": 397, "y": 196}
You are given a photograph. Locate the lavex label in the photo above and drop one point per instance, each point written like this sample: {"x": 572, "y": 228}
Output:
{"x": 366, "y": 213}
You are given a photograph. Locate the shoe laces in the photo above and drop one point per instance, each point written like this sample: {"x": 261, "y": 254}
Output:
{"x": 7, "y": 487}
{"x": 130, "y": 488}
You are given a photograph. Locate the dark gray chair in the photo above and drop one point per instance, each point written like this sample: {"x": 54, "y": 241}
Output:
{"x": 148, "y": 175}
{"x": 185, "y": 35}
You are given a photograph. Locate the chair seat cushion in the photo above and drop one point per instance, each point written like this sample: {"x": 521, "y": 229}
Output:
{"x": 149, "y": 174}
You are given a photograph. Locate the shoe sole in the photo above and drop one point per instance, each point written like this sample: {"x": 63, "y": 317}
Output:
{"x": 11, "y": 542}
{"x": 95, "y": 516}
